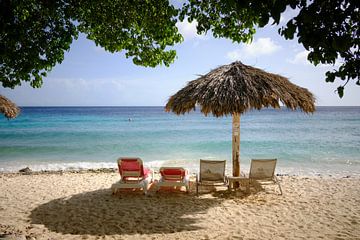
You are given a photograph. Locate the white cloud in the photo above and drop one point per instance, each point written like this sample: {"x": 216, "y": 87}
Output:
{"x": 262, "y": 46}
{"x": 188, "y": 30}
{"x": 301, "y": 58}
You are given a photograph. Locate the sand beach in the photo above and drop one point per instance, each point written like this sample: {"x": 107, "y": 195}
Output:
{"x": 68, "y": 205}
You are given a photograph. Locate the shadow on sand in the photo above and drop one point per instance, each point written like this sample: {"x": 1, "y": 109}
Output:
{"x": 100, "y": 213}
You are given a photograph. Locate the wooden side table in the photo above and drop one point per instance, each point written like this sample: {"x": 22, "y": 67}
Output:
{"x": 243, "y": 182}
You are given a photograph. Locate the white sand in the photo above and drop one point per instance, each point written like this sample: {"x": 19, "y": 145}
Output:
{"x": 80, "y": 206}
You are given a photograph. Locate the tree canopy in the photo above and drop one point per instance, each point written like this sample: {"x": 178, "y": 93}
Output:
{"x": 36, "y": 33}
{"x": 328, "y": 29}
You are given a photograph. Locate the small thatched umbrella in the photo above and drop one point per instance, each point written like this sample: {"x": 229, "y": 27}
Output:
{"x": 234, "y": 89}
{"x": 8, "y": 108}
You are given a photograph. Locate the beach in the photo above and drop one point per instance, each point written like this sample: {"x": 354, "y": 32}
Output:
{"x": 79, "y": 205}
{"x": 72, "y": 152}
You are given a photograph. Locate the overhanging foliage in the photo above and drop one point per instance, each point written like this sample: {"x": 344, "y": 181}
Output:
{"x": 36, "y": 33}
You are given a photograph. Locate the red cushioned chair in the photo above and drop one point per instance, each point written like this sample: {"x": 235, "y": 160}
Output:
{"x": 173, "y": 177}
{"x": 132, "y": 175}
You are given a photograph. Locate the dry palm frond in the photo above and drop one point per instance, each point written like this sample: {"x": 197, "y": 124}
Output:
{"x": 237, "y": 88}
{"x": 8, "y": 108}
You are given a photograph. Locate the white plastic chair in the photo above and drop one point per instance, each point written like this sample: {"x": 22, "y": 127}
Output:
{"x": 212, "y": 173}
{"x": 263, "y": 171}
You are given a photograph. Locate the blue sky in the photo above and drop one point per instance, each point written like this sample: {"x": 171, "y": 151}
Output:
{"x": 90, "y": 76}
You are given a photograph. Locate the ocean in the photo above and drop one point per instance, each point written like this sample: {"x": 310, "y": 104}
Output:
{"x": 72, "y": 138}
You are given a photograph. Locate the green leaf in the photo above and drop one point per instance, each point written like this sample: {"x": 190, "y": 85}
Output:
{"x": 264, "y": 19}
{"x": 330, "y": 77}
{"x": 340, "y": 91}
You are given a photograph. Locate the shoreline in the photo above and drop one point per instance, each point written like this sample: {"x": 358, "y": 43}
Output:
{"x": 79, "y": 205}
{"x": 115, "y": 170}
{"x": 28, "y": 171}
{"x": 45, "y": 172}
{"x": 156, "y": 172}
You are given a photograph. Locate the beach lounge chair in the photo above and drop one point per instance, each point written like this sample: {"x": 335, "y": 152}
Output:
{"x": 263, "y": 171}
{"x": 133, "y": 175}
{"x": 173, "y": 177}
{"x": 212, "y": 173}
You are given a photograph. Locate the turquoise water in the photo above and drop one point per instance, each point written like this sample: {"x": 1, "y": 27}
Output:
{"x": 326, "y": 142}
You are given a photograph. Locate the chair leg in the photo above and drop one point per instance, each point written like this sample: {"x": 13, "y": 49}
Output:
{"x": 145, "y": 186}
{"x": 157, "y": 187}
{"x": 187, "y": 189}
{"x": 114, "y": 190}
{"x": 197, "y": 186}
{"x": 229, "y": 184}
{"x": 276, "y": 180}
{"x": 249, "y": 185}
{"x": 145, "y": 189}
{"x": 281, "y": 193}
{"x": 186, "y": 182}
{"x": 187, "y": 186}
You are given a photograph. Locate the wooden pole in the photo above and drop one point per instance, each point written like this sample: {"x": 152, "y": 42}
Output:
{"x": 236, "y": 144}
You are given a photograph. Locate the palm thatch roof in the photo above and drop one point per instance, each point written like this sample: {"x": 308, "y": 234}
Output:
{"x": 8, "y": 108}
{"x": 237, "y": 88}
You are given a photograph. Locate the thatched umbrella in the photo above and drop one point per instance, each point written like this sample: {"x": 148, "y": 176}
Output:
{"x": 234, "y": 89}
{"x": 8, "y": 108}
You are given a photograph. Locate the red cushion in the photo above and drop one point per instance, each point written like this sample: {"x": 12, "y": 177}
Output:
{"x": 171, "y": 171}
{"x": 132, "y": 164}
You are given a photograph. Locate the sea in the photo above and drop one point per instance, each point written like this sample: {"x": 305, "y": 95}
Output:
{"x": 326, "y": 142}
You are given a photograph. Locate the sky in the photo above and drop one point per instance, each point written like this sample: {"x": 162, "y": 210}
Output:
{"x": 90, "y": 76}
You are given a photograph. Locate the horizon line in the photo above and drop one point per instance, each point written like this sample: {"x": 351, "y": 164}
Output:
{"x": 158, "y": 106}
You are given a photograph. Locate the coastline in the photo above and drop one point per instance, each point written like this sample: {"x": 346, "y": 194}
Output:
{"x": 192, "y": 169}
{"x": 64, "y": 138}
{"x": 79, "y": 205}
{"x": 192, "y": 172}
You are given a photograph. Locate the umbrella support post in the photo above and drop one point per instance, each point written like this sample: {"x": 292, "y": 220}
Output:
{"x": 236, "y": 144}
